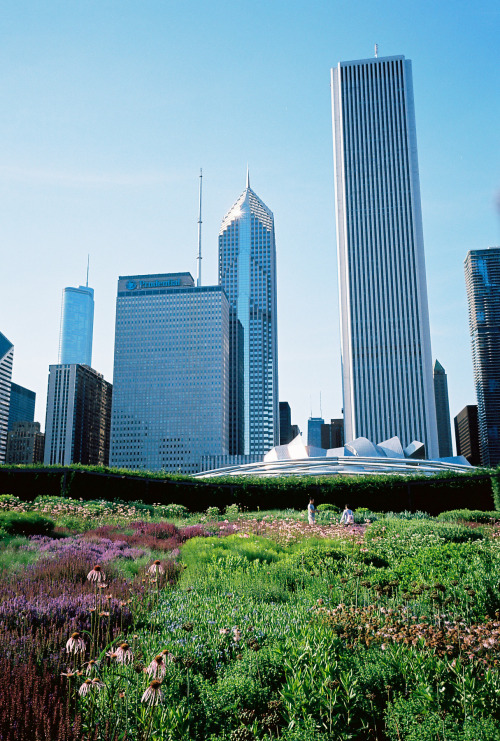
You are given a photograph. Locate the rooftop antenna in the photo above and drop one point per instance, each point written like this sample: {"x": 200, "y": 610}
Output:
{"x": 88, "y": 263}
{"x": 248, "y": 178}
{"x": 376, "y": 51}
{"x": 198, "y": 273}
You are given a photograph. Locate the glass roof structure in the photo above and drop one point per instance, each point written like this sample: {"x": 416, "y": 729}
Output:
{"x": 358, "y": 457}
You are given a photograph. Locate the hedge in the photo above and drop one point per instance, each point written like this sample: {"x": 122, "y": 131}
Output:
{"x": 445, "y": 491}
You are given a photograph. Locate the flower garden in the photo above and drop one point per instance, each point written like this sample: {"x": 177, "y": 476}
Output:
{"x": 134, "y": 622}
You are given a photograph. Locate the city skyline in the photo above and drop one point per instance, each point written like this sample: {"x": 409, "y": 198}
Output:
{"x": 110, "y": 111}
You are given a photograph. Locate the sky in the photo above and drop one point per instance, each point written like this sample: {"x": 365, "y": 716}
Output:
{"x": 110, "y": 108}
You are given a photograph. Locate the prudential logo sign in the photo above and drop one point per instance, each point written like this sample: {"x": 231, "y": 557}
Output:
{"x": 131, "y": 285}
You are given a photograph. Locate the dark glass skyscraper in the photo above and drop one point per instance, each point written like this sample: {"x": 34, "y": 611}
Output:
{"x": 386, "y": 350}
{"x": 482, "y": 278}
{"x": 22, "y": 405}
{"x": 77, "y": 326}
{"x": 442, "y": 411}
{"x": 467, "y": 434}
{"x": 247, "y": 272}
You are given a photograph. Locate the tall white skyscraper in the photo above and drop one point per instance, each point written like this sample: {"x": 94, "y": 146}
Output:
{"x": 247, "y": 272}
{"x": 171, "y": 374}
{"x": 386, "y": 351}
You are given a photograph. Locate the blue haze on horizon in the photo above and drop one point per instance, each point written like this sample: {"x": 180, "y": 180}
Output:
{"x": 110, "y": 108}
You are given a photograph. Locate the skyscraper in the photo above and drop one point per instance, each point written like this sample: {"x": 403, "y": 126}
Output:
{"x": 77, "y": 325}
{"x": 22, "y": 405}
{"x": 386, "y": 352}
{"x": 442, "y": 411}
{"x": 171, "y": 373}
{"x": 314, "y": 425}
{"x": 6, "y": 360}
{"x": 285, "y": 423}
{"x": 467, "y": 434}
{"x": 78, "y": 418}
{"x": 247, "y": 273}
{"x": 482, "y": 278}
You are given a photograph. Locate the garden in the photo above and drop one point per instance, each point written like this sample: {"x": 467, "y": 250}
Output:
{"x": 141, "y": 622}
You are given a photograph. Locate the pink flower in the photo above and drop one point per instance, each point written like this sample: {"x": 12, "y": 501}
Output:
{"x": 75, "y": 643}
{"x": 96, "y": 574}
{"x": 124, "y": 654}
{"x": 156, "y": 567}
{"x": 157, "y": 668}
{"x": 153, "y": 695}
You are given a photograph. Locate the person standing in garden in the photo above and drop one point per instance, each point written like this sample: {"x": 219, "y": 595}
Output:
{"x": 311, "y": 512}
{"x": 347, "y": 517}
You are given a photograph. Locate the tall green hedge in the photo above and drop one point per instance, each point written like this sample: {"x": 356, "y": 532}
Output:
{"x": 434, "y": 494}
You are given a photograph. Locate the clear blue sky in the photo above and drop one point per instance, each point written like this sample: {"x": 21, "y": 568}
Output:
{"x": 109, "y": 109}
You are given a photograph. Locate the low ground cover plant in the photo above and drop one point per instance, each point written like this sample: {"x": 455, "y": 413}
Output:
{"x": 249, "y": 626}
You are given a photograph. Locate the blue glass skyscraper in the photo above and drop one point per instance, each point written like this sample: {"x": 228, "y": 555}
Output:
{"x": 22, "y": 405}
{"x": 77, "y": 325}
{"x": 247, "y": 272}
{"x": 482, "y": 278}
{"x": 386, "y": 351}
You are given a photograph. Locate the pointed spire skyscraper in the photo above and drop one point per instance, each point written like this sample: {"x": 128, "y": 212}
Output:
{"x": 247, "y": 272}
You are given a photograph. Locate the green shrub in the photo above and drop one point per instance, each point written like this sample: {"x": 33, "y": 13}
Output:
{"x": 25, "y": 523}
{"x": 326, "y": 507}
{"x": 469, "y": 515}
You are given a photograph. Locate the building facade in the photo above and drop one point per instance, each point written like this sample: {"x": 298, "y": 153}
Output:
{"x": 77, "y": 326}
{"x": 386, "y": 351}
{"x": 285, "y": 423}
{"x": 6, "y": 360}
{"x": 442, "y": 411}
{"x": 22, "y": 405}
{"x": 314, "y": 425}
{"x": 78, "y": 419}
{"x": 171, "y": 373}
{"x": 467, "y": 434}
{"x": 482, "y": 278}
{"x": 332, "y": 434}
{"x": 25, "y": 444}
{"x": 247, "y": 273}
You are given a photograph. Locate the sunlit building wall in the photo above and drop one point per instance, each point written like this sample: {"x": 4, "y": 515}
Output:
{"x": 386, "y": 351}
{"x": 247, "y": 273}
{"x": 77, "y": 326}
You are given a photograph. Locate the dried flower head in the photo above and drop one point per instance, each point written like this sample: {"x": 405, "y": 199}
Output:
{"x": 96, "y": 574}
{"x": 124, "y": 654}
{"x": 156, "y": 567}
{"x": 153, "y": 696}
{"x": 157, "y": 667}
{"x": 75, "y": 643}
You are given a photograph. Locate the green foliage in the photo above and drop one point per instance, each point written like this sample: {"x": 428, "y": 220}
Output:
{"x": 326, "y": 507}
{"x": 25, "y": 523}
{"x": 469, "y": 515}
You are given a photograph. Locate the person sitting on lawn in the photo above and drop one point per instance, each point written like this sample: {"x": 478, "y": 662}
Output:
{"x": 347, "y": 517}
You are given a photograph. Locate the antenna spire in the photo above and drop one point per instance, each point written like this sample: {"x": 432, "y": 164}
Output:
{"x": 198, "y": 272}
{"x": 248, "y": 178}
{"x": 376, "y": 51}
{"x": 88, "y": 264}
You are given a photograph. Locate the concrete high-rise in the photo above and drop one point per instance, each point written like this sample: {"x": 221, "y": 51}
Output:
{"x": 442, "y": 411}
{"x": 247, "y": 273}
{"x": 77, "y": 326}
{"x": 171, "y": 373}
{"x": 482, "y": 278}
{"x": 22, "y": 405}
{"x": 78, "y": 418}
{"x": 6, "y": 360}
{"x": 386, "y": 350}
{"x": 25, "y": 443}
{"x": 467, "y": 434}
{"x": 332, "y": 434}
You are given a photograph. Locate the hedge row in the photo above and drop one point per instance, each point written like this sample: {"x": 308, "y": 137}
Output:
{"x": 434, "y": 494}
